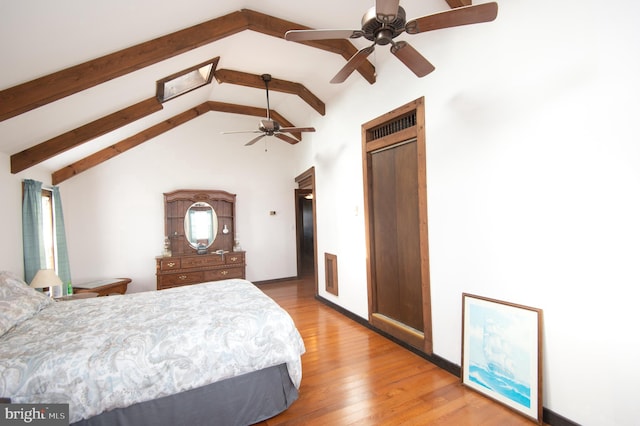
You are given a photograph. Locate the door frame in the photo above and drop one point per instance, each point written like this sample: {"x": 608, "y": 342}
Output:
{"x": 399, "y": 125}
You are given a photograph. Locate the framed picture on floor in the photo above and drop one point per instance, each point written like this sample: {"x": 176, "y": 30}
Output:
{"x": 502, "y": 352}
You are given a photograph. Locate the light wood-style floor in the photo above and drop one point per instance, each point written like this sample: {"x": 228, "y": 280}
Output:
{"x": 353, "y": 376}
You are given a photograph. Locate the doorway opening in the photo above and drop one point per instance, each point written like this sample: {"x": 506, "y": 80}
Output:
{"x": 306, "y": 249}
{"x": 305, "y": 235}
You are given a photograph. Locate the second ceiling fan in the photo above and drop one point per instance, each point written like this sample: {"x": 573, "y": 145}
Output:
{"x": 387, "y": 20}
{"x": 269, "y": 126}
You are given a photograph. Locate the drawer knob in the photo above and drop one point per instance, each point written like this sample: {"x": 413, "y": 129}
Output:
{"x": 171, "y": 264}
{"x": 234, "y": 258}
{"x": 224, "y": 272}
{"x": 182, "y": 277}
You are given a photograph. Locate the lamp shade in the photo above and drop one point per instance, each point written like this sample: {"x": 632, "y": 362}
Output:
{"x": 46, "y": 278}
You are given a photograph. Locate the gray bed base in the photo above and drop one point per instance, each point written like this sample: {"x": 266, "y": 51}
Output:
{"x": 241, "y": 401}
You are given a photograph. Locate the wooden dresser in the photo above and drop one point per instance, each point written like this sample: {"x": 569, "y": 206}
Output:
{"x": 185, "y": 270}
{"x": 201, "y": 251}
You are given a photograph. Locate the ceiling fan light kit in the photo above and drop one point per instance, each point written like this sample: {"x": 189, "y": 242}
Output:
{"x": 385, "y": 21}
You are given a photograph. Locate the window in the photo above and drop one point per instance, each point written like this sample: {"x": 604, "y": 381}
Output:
{"x": 48, "y": 234}
{"x": 44, "y": 242}
{"x": 185, "y": 80}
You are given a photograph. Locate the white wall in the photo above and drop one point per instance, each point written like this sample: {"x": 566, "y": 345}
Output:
{"x": 533, "y": 187}
{"x": 114, "y": 212}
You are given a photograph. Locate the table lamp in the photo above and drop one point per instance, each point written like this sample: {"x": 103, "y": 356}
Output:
{"x": 47, "y": 278}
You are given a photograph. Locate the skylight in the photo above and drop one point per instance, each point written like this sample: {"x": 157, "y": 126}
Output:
{"x": 186, "y": 80}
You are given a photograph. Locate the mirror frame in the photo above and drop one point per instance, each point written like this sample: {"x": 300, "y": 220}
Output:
{"x": 212, "y": 230}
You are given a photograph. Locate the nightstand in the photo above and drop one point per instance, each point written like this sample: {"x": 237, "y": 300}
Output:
{"x": 103, "y": 287}
{"x": 86, "y": 295}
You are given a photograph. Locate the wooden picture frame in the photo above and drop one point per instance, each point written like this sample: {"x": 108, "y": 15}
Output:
{"x": 502, "y": 353}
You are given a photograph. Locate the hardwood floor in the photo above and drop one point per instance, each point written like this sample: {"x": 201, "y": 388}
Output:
{"x": 353, "y": 376}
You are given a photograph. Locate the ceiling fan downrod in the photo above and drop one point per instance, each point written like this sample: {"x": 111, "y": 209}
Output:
{"x": 267, "y": 78}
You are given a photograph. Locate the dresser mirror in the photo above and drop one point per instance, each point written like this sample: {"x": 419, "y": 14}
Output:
{"x": 199, "y": 221}
{"x": 200, "y": 225}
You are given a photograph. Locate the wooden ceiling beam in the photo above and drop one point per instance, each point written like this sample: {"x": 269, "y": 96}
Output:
{"x": 126, "y": 144}
{"x": 153, "y": 131}
{"x": 41, "y": 91}
{"x": 276, "y": 27}
{"x": 255, "y": 81}
{"x": 61, "y": 143}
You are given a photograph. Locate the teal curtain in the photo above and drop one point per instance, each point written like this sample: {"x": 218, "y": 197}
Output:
{"x": 32, "y": 241}
{"x": 62, "y": 258}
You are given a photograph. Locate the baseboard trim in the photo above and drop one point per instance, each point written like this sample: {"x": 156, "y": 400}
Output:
{"x": 274, "y": 281}
{"x": 548, "y": 416}
{"x": 434, "y": 359}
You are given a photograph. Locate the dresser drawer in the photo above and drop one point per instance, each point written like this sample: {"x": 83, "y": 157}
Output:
{"x": 169, "y": 263}
{"x": 202, "y": 261}
{"x": 224, "y": 274}
{"x": 193, "y": 269}
{"x": 234, "y": 258}
{"x": 182, "y": 278}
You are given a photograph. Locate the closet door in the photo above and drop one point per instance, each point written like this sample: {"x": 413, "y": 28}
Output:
{"x": 394, "y": 202}
{"x": 394, "y": 164}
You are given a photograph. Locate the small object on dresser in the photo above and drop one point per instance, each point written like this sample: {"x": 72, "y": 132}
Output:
{"x": 202, "y": 249}
{"x": 167, "y": 247}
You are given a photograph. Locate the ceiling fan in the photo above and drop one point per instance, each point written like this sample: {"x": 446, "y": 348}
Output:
{"x": 270, "y": 127}
{"x": 382, "y": 23}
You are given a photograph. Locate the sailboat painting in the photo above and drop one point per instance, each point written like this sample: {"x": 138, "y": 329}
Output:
{"x": 501, "y": 352}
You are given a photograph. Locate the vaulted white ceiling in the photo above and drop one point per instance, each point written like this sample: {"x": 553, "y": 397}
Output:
{"x": 40, "y": 37}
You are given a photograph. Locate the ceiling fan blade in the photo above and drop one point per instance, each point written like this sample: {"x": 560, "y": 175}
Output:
{"x": 297, "y": 129}
{"x": 286, "y": 138}
{"x": 254, "y": 140}
{"x": 306, "y": 35}
{"x": 352, "y": 64}
{"x": 240, "y": 131}
{"x": 458, "y": 16}
{"x": 387, "y": 10}
{"x": 412, "y": 58}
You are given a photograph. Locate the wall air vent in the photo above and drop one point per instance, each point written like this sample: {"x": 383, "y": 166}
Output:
{"x": 331, "y": 273}
{"x": 395, "y": 126}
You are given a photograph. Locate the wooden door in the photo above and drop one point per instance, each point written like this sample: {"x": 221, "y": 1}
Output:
{"x": 394, "y": 163}
{"x": 394, "y": 202}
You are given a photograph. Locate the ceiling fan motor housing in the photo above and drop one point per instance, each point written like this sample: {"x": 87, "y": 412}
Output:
{"x": 269, "y": 127}
{"x": 382, "y": 33}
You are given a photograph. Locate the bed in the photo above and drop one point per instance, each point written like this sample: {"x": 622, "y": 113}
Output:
{"x": 221, "y": 350}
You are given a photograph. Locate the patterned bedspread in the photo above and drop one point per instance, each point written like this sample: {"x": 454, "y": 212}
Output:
{"x": 103, "y": 353}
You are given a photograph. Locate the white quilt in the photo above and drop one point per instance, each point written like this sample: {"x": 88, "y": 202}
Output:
{"x": 103, "y": 353}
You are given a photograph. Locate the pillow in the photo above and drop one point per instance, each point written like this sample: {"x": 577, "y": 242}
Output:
{"x": 18, "y": 301}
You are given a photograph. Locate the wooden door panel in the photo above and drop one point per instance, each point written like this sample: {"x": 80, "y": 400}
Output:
{"x": 408, "y": 239}
{"x": 397, "y": 244}
{"x": 386, "y": 259}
